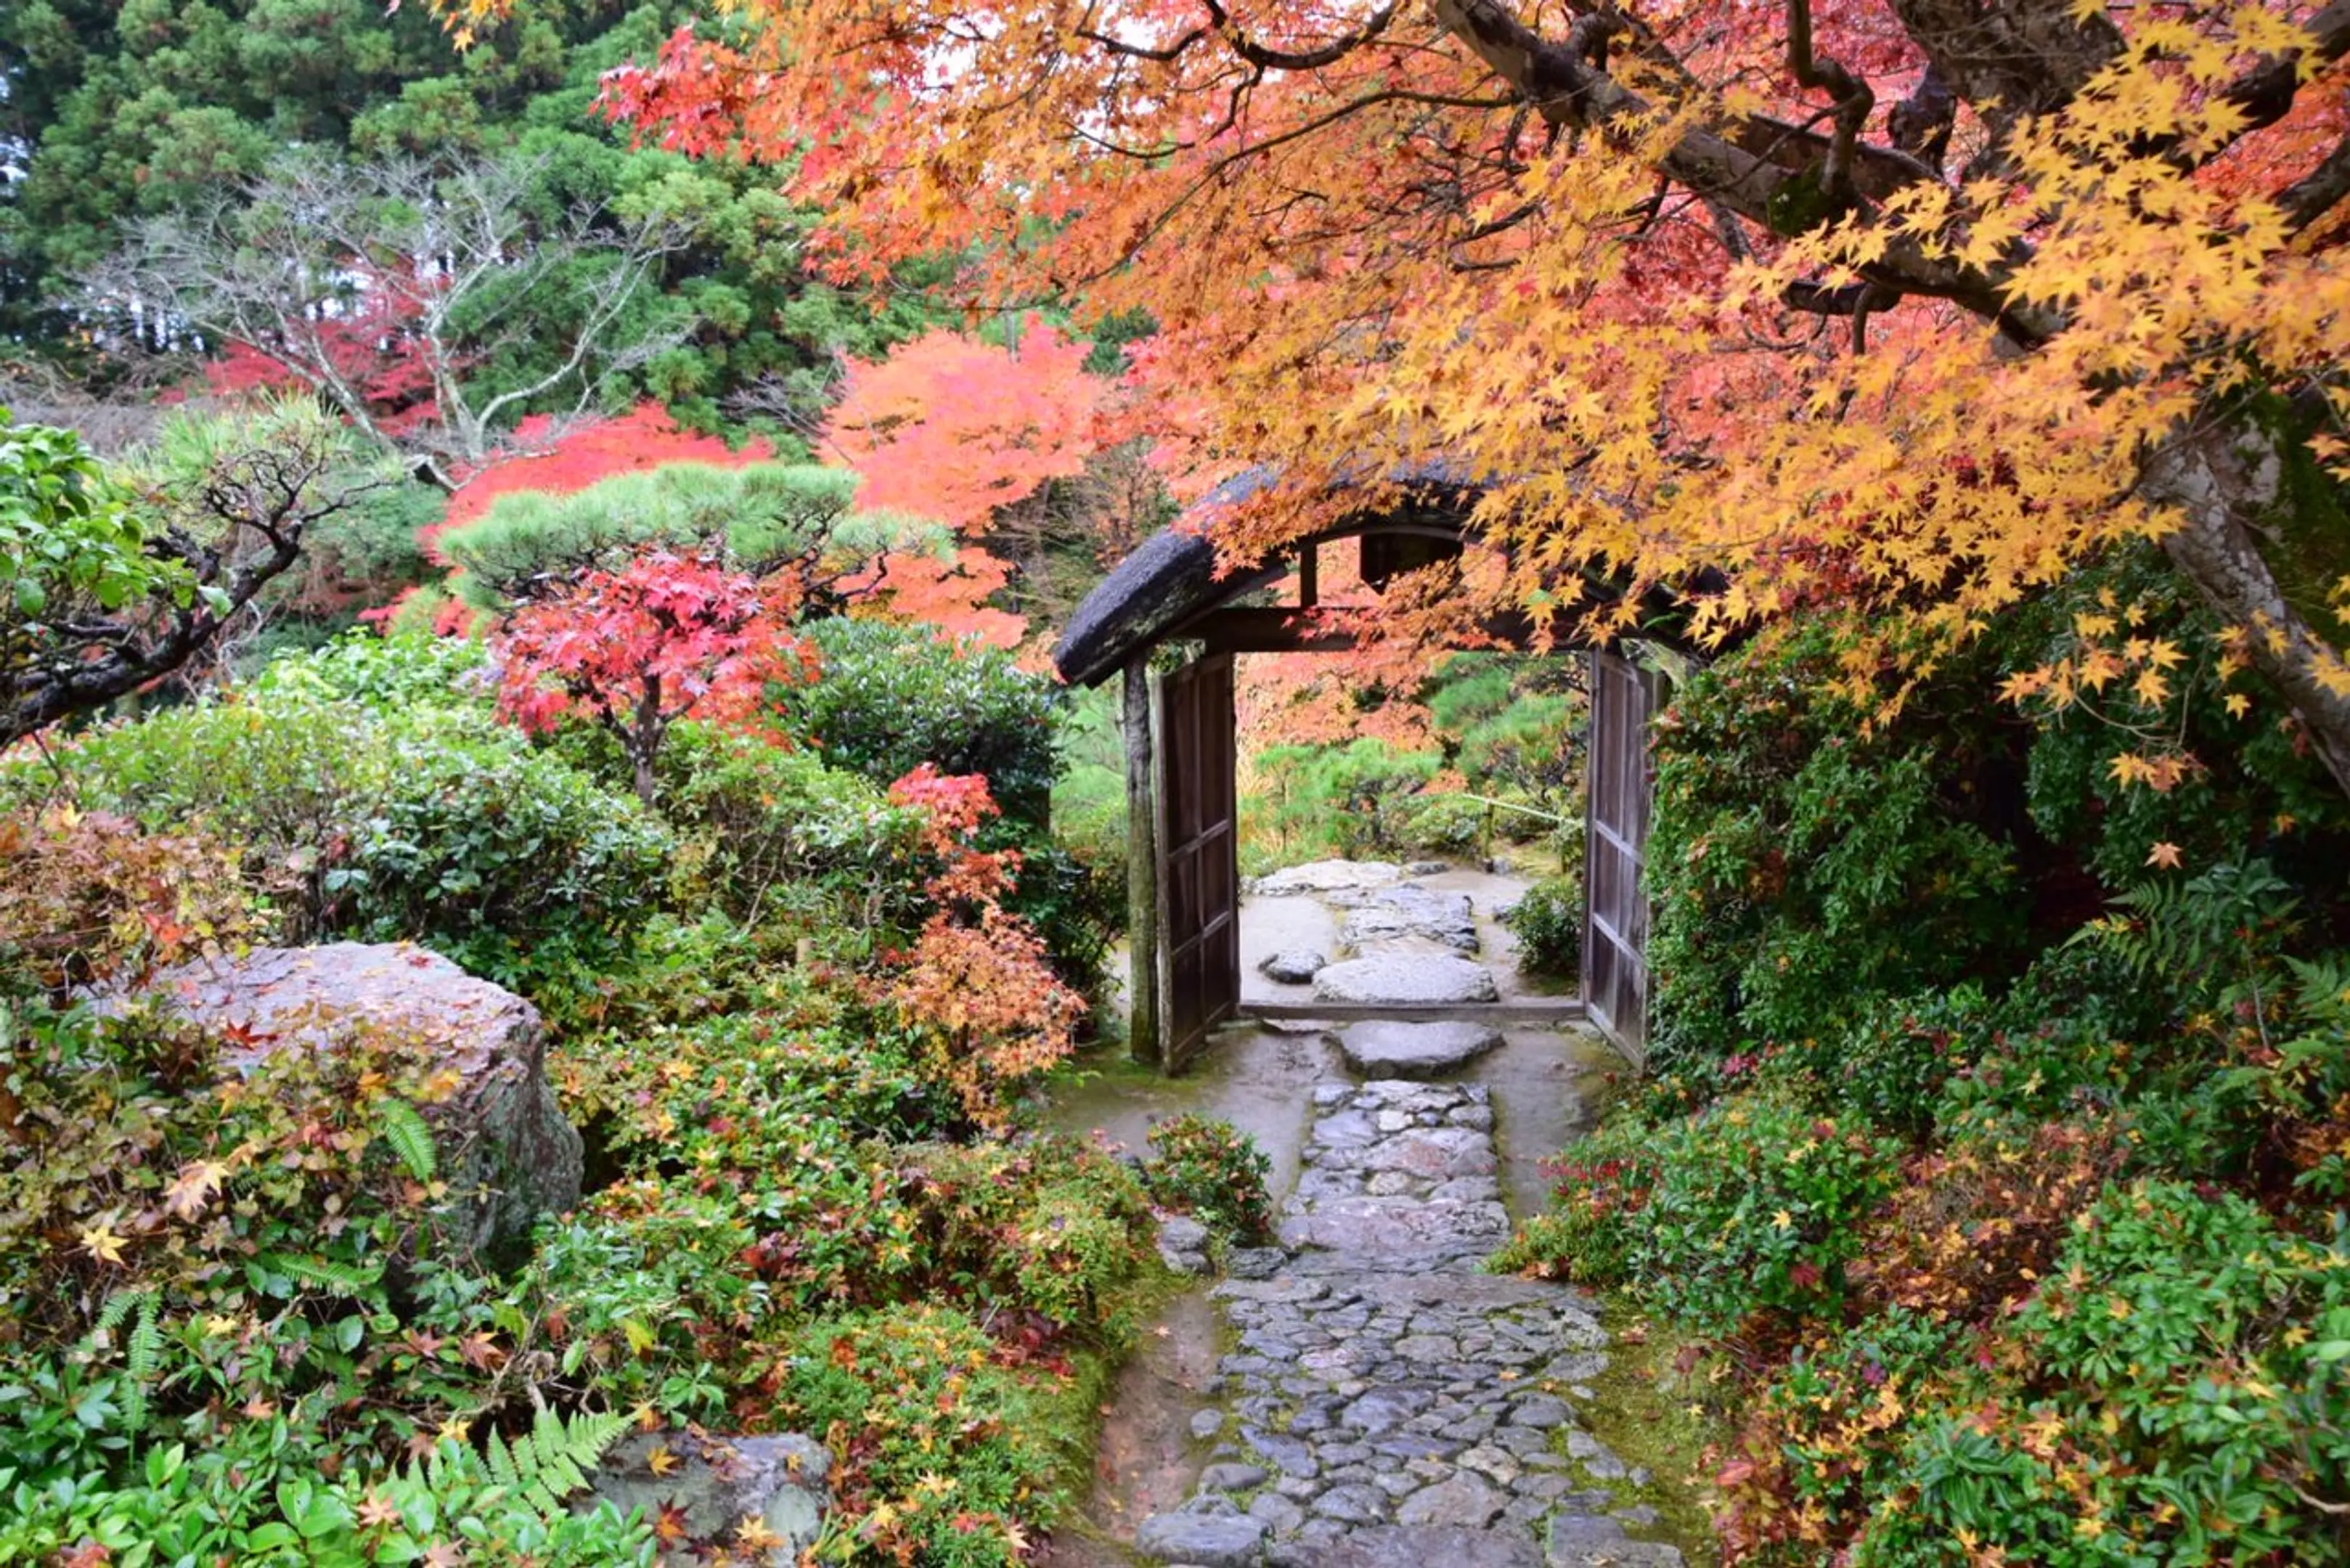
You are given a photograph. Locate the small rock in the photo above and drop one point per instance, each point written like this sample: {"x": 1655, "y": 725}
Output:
{"x": 1540, "y": 1410}
{"x": 1206, "y": 1424}
{"x": 1465, "y": 1500}
{"x": 1230, "y": 1478}
{"x": 1352, "y": 1505}
{"x": 1281, "y": 1516}
{"x": 713, "y": 1484}
{"x": 1254, "y": 1263}
{"x": 1183, "y": 1244}
{"x": 1293, "y": 966}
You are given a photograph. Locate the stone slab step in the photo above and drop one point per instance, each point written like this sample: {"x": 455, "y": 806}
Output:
{"x": 1385, "y": 1048}
{"x": 1408, "y": 979}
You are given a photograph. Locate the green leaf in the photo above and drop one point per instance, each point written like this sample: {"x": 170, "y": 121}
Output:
{"x": 31, "y": 598}
{"x": 405, "y": 1130}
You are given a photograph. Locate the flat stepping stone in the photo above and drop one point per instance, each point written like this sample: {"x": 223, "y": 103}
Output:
{"x": 1207, "y": 1540}
{"x": 1407, "y": 980}
{"x": 1422, "y": 1546}
{"x": 1328, "y": 876}
{"x": 1409, "y": 914}
{"x": 1387, "y": 1049}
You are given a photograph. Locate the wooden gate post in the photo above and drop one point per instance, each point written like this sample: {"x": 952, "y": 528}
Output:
{"x": 1142, "y": 983}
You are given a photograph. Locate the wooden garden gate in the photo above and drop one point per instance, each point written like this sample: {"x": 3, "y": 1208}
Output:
{"x": 1624, "y": 699}
{"x": 1199, "y": 874}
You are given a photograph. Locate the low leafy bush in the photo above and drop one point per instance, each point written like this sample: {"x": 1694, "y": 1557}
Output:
{"x": 86, "y": 898}
{"x": 430, "y": 823}
{"x": 1353, "y": 801}
{"x": 508, "y": 861}
{"x": 1209, "y": 1168}
{"x": 406, "y": 670}
{"x": 1547, "y": 920}
{"x": 938, "y": 1453}
{"x": 1977, "y": 1224}
{"x": 252, "y": 1271}
{"x": 1753, "y": 1205}
{"x": 756, "y": 818}
{"x": 1801, "y": 870}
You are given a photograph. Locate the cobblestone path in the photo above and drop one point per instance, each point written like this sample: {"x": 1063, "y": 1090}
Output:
{"x": 1387, "y": 1405}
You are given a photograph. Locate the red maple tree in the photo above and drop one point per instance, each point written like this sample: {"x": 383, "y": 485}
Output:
{"x": 636, "y": 650}
{"x": 370, "y": 348}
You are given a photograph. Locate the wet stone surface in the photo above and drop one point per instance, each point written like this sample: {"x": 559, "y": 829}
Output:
{"x": 1386, "y": 1405}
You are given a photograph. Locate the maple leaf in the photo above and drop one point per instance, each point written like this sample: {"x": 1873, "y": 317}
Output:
{"x": 101, "y": 1241}
{"x": 2164, "y": 854}
{"x": 191, "y": 1189}
{"x": 662, "y": 1461}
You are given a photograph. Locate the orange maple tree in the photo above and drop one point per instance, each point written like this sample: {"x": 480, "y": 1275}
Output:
{"x": 978, "y": 987}
{"x": 1916, "y": 303}
{"x": 956, "y": 428}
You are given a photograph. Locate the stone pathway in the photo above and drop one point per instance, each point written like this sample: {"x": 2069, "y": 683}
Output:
{"x": 1387, "y": 1405}
{"x": 1373, "y": 933}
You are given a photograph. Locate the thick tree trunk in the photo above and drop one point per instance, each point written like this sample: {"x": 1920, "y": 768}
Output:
{"x": 2214, "y": 481}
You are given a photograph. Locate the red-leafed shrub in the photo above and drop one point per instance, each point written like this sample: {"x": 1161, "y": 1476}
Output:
{"x": 636, "y": 650}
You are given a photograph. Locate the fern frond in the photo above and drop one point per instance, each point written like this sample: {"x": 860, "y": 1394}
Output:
{"x": 411, "y": 1140}
{"x": 143, "y": 1348}
{"x": 343, "y": 1279}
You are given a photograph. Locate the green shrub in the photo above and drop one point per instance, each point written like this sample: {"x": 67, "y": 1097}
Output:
{"x": 508, "y": 861}
{"x": 1799, "y": 869}
{"x": 1753, "y": 1205}
{"x": 768, "y": 829}
{"x": 2185, "y": 1397}
{"x": 1512, "y": 726}
{"x": 255, "y": 1267}
{"x": 428, "y": 824}
{"x": 407, "y": 670}
{"x": 1209, "y": 1168}
{"x": 653, "y": 1299}
{"x": 259, "y": 1499}
{"x": 1089, "y": 791}
{"x": 1050, "y": 1225}
{"x": 925, "y": 1422}
{"x": 1547, "y": 920}
{"x": 892, "y": 697}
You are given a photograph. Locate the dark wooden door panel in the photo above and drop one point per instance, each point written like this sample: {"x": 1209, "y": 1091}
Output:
{"x": 1200, "y": 871}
